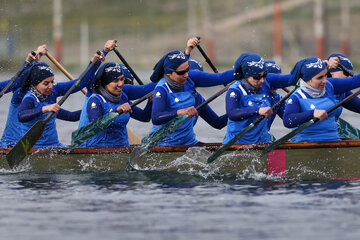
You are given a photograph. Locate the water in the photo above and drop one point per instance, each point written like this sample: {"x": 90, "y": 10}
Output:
{"x": 172, "y": 205}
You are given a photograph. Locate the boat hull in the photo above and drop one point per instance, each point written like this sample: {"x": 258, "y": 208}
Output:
{"x": 315, "y": 160}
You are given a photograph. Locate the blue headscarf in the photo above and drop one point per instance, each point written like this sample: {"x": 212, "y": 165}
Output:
{"x": 107, "y": 73}
{"x": 306, "y": 69}
{"x": 272, "y": 67}
{"x": 195, "y": 64}
{"x": 38, "y": 72}
{"x": 168, "y": 64}
{"x": 344, "y": 60}
{"x": 35, "y": 74}
{"x": 247, "y": 65}
{"x": 126, "y": 72}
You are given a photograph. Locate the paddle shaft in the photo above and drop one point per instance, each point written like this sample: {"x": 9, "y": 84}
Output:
{"x": 62, "y": 69}
{"x": 140, "y": 100}
{"x": 22, "y": 147}
{"x": 307, "y": 124}
{"x": 248, "y": 128}
{"x": 207, "y": 59}
{"x": 210, "y": 99}
{"x": 67, "y": 94}
{"x": 128, "y": 66}
{"x": 6, "y": 88}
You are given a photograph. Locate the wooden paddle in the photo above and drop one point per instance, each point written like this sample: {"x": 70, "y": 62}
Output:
{"x": 307, "y": 124}
{"x": 61, "y": 68}
{"x": 22, "y": 147}
{"x": 86, "y": 132}
{"x": 28, "y": 63}
{"x": 248, "y": 128}
{"x": 158, "y": 135}
{"x": 82, "y": 134}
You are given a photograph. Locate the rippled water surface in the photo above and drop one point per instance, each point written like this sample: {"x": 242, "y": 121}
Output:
{"x": 92, "y": 204}
{"x": 122, "y": 205}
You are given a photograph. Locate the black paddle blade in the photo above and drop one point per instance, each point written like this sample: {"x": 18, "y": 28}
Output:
{"x": 22, "y": 147}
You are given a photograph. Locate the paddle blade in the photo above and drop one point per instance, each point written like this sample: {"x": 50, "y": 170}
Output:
{"x": 86, "y": 132}
{"x": 23, "y": 146}
{"x": 155, "y": 137}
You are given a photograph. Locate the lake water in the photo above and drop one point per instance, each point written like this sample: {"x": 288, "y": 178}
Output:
{"x": 157, "y": 205}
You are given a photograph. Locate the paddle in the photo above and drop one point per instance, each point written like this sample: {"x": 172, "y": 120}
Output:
{"x": 61, "y": 68}
{"x": 82, "y": 134}
{"x": 158, "y": 135}
{"x": 207, "y": 59}
{"x": 307, "y": 124}
{"x": 133, "y": 138}
{"x": 248, "y": 128}
{"x": 128, "y": 66}
{"x": 22, "y": 147}
{"x": 28, "y": 63}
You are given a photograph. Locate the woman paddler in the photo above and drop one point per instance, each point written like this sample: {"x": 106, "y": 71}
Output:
{"x": 346, "y": 130}
{"x": 41, "y": 98}
{"x": 12, "y": 132}
{"x": 250, "y": 97}
{"x": 206, "y": 112}
{"x": 174, "y": 93}
{"x": 314, "y": 97}
{"x": 111, "y": 95}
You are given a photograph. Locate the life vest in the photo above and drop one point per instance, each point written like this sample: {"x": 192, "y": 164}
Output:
{"x": 259, "y": 133}
{"x": 176, "y": 100}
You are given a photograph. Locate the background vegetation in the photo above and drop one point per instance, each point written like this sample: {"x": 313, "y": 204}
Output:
{"x": 146, "y": 29}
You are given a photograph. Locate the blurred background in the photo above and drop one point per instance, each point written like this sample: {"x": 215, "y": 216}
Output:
{"x": 285, "y": 31}
{"x": 282, "y": 30}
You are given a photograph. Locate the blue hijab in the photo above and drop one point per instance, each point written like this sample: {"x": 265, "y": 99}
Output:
{"x": 168, "y": 64}
{"x": 106, "y": 74}
{"x": 35, "y": 75}
{"x": 247, "y": 65}
{"x": 195, "y": 64}
{"x": 272, "y": 67}
{"x": 344, "y": 60}
{"x": 306, "y": 69}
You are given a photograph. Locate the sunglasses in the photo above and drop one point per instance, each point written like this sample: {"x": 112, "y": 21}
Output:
{"x": 259, "y": 76}
{"x": 183, "y": 71}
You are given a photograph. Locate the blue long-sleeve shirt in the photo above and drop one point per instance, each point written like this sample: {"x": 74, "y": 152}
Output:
{"x": 28, "y": 112}
{"x": 200, "y": 79}
{"x": 17, "y": 83}
{"x": 209, "y": 115}
{"x": 236, "y": 113}
{"x": 292, "y": 115}
{"x": 137, "y": 113}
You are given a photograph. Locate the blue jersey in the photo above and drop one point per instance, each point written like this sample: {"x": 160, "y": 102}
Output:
{"x": 259, "y": 133}
{"x": 176, "y": 100}
{"x": 49, "y": 138}
{"x": 326, "y": 130}
{"x": 116, "y": 133}
{"x": 28, "y": 117}
{"x": 12, "y": 131}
